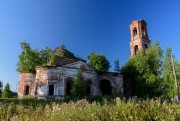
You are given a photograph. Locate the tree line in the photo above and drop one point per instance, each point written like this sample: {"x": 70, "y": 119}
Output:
{"x": 6, "y": 92}
{"x": 150, "y": 73}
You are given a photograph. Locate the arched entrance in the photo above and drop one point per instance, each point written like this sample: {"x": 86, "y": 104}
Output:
{"x": 105, "y": 86}
{"x": 68, "y": 87}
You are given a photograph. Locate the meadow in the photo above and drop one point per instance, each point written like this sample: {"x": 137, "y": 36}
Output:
{"x": 99, "y": 109}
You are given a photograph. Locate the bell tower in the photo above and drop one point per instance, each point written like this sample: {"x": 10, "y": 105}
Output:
{"x": 139, "y": 36}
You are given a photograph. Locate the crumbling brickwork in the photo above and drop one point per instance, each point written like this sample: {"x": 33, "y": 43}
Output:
{"x": 26, "y": 80}
{"x": 53, "y": 81}
{"x": 139, "y": 36}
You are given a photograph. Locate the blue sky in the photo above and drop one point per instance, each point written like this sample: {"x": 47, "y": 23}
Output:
{"x": 84, "y": 26}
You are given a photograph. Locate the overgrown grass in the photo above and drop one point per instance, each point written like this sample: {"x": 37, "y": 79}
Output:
{"x": 98, "y": 108}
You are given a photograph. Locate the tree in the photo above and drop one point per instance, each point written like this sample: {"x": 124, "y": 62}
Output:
{"x": 28, "y": 59}
{"x": 1, "y": 87}
{"x": 177, "y": 67}
{"x": 6, "y": 92}
{"x": 169, "y": 89}
{"x": 79, "y": 86}
{"x": 142, "y": 73}
{"x": 99, "y": 62}
{"x": 13, "y": 94}
{"x": 168, "y": 79}
{"x": 48, "y": 56}
{"x": 117, "y": 65}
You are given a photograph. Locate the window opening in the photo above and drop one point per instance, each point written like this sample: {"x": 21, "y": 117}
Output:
{"x": 26, "y": 90}
{"x": 136, "y": 49}
{"x": 51, "y": 89}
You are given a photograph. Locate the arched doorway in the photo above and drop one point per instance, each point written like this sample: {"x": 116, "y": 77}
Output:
{"x": 68, "y": 87}
{"x": 105, "y": 86}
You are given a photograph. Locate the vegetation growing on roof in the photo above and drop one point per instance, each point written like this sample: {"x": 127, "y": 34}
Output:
{"x": 30, "y": 58}
{"x": 63, "y": 52}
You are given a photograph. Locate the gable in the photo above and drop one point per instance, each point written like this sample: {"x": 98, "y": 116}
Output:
{"x": 80, "y": 65}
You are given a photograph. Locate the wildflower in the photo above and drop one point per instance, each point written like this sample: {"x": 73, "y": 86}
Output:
{"x": 131, "y": 118}
{"x": 123, "y": 113}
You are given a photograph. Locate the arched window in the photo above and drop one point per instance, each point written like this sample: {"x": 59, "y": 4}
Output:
{"x": 135, "y": 31}
{"x": 145, "y": 47}
{"x": 143, "y": 31}
{"x": 136, "y": 49}
{"x": 68, "y": 86}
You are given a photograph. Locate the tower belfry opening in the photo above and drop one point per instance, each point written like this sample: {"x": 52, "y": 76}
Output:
{"x": 139, "y": 36}
{"x": 135, "y": 31}
{"x": 136, "y": 49}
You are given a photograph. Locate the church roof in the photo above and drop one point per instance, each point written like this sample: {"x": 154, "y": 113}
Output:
{"x": 64, "y": 61}
{"x": 64, "y": 53}
{"x": 64, "y": 57}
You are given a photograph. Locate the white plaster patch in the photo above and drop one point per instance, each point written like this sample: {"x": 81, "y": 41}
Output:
{"x": 42, "y": 90}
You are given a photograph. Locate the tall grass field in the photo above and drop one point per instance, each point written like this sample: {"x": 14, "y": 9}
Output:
{"x": 113, "y": 109}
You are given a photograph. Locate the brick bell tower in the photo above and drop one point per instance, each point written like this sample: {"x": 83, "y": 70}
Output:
{"x": 139, "y": 36}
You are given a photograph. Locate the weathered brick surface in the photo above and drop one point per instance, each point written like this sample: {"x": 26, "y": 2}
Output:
{"x": 140, "y": 39}
{"x": 58, "y": 76}
{"x": 26, "y": 79}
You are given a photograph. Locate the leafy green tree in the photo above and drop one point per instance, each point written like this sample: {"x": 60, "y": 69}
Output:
{"x": 142, "y": 73}
{"x": 169, "y": 89}
{"x": 6, "y": 92}
{"x": 168, "y": 78}
{"x": 79, "y": 86}
{"x": 48, "y": 56}
{"x": 1, "y": 87}
{"x": 13, "y": 94}
{"x": 99, "y": 62}
{"x": 177, "y": 67}
{"x": 28, "y": 59}
{"x": 117, "y": 65}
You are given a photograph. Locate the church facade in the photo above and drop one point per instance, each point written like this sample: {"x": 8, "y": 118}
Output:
{"x": 56, "y": 81}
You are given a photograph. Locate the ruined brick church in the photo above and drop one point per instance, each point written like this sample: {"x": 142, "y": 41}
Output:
{"x": 56, "y": 81}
